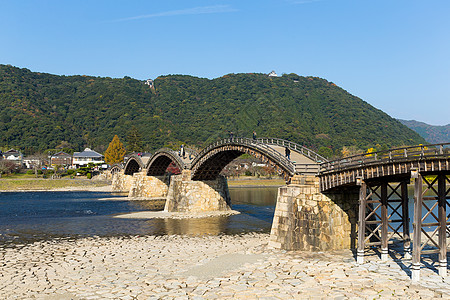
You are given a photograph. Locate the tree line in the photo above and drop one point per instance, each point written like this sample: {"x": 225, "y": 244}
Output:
{"x": 42, "y": 111}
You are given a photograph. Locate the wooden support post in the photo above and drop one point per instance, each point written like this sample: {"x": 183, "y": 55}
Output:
{"x": 405, "y": 220}
{"x": 417, "y": 227}
{"x": 384, "y": 222}
{"x": 442, "y": 215}
{"x": 361, "y": 223}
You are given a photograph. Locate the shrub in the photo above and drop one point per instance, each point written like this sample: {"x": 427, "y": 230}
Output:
{"x": 30, "y": 172}
{"x": 89, "y": 175}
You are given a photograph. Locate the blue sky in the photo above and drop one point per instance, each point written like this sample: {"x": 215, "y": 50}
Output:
{"x": 394, "y": 54}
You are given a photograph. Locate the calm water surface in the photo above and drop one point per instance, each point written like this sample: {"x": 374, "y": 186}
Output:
{"x": 31, "y": 216}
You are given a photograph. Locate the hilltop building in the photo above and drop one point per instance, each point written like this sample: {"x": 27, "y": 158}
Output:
{"x": 149, "y": 82}
{"x": 272, "y": 74}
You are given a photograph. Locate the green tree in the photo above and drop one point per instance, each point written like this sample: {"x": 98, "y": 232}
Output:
{"x": 115, "y": 152}
{"x": 134, "y": 140}
{"x": 325, "y": 152}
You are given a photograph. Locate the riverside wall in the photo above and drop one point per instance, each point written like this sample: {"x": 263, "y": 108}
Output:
{"x": 306, "y": 219}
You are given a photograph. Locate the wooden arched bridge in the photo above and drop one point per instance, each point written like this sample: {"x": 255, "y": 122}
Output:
{"x": 380, "y": 179}
{"x": 383, "y": 178}
{"x": 207, "y": 164}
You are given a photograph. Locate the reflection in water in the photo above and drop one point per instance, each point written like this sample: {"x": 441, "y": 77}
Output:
{"x": 31, "y": 216}
{"x": 263, "y": 196}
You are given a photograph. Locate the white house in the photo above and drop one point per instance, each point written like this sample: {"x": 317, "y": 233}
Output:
{"x": 13, "y": 155}
{"x": 85, "y": 157}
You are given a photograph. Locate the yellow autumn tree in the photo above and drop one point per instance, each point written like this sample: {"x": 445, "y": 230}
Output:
{"x": 370, "y": 150}
{"x": 115, "y": 152}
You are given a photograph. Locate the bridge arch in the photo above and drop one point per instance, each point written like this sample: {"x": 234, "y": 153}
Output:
{"x": 212, "y": 159}
{"x": 158, "y": 163}
{"x": 116, "y": 168}
{"x": 134, "y": 164}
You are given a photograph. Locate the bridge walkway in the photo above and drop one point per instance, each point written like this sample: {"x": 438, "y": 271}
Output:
{"x": 305, "y": 161}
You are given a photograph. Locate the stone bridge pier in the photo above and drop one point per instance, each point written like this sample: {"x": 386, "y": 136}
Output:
{"x": 140, "y": 185}
{"x": 147, "y": 187}
{"x": 121, "y": 182}
{"x": 306, "y": 219}
{"x": 187, "y": 195}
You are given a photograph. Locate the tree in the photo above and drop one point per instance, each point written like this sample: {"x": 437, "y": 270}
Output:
{"x": 134, "y": 140}
{"x": 8, "y": 167}
{"x": 325, "y": 152}
{"x": 115, "y": 152}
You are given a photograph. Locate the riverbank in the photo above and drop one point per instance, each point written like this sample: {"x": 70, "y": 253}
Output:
{"x": 203, "y": 267}
{"x": 177, "y": 215}
{"x": 39, "y": 184}
{"x": 81, "y": 184}
{"x": 255, "y": 182}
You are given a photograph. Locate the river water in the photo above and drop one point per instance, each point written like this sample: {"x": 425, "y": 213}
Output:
{"x": 31, "y": 216}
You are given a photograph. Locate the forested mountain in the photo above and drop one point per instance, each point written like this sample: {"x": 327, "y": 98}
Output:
{"x": 431, "y": 133}
{"x": 39, "y": 111}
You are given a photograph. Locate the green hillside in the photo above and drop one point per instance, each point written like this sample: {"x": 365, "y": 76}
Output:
{"x": 39, "y": 111}
{"x": 431, "y": 133}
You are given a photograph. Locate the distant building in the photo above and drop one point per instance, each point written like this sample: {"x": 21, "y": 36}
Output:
{"x": 149, "y": 82}
{"x": 272, "y": 74}
{"x": 61, "y": 158}
{"x": 34, "y": 162}
{"x": 85, "y": 157}
{"x": 13, "y": 155}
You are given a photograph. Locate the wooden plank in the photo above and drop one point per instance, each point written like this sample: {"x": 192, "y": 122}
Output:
{"x": 361, "y": 222}
{"x": 442, "y": 225}
{"x": 405, "y": 219}
{"x": 417, "y": 225}
{"x": 384, "y": 221}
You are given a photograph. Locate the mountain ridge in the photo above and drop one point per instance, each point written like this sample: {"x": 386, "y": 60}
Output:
{"x": 433, "y": 134}
{"x": 40, "y": 111}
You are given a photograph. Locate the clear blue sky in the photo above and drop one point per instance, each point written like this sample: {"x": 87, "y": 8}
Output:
{"x": 394, "y": 54}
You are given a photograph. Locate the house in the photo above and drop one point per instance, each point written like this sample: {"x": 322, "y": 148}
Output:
{"x": 13, "y": 155}
{"x": 85, "y": 157}
{"x": 272, "y": 74}
{"x": 32, "y": 162}
{"x": 61, "y": 158}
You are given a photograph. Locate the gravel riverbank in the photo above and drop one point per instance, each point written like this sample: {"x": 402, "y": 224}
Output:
{"x": 202, "y": 267}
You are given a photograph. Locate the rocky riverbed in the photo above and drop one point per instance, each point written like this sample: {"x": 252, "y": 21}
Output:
{"x": 202, "y": 267}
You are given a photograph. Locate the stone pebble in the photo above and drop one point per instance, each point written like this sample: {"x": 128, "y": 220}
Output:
{"x": 161, "y": 267}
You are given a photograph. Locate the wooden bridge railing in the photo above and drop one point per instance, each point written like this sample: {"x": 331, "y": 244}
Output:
{"x": 385, "y": 156}
{"x": 258, "y": 144}
{"x": 293, "y": 146}
{"x": 174, "y": 153}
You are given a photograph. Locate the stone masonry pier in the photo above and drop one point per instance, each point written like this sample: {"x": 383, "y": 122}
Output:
{"x": 121, "y": 182}
{"x": 186, "y": 195}
{"x": 306, "y": 219}
{"x": 148, "y": 187}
